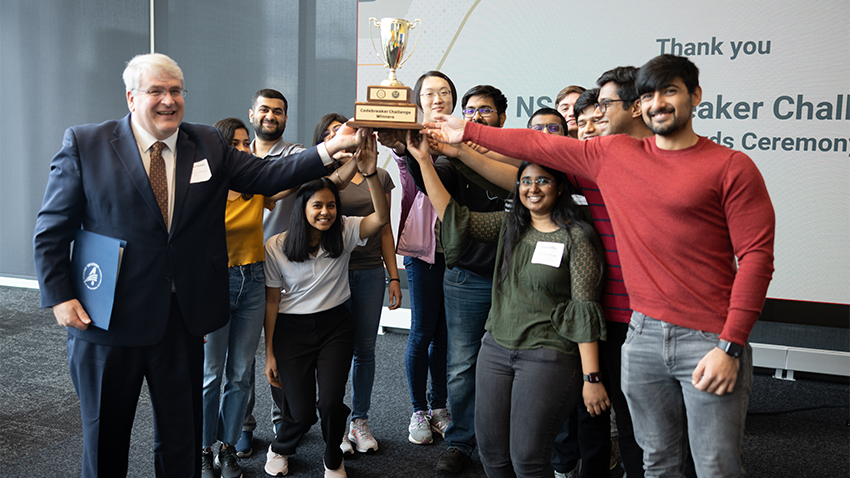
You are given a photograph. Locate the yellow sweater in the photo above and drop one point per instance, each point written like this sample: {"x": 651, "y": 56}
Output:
{"x": 244, "y": 223}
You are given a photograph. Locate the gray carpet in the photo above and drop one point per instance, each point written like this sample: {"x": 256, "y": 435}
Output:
{"x": 40, "y": 432}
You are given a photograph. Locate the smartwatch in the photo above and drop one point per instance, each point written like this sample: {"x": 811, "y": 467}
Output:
{"x": 732, "y": 349}
{"x": 594, "y": 377}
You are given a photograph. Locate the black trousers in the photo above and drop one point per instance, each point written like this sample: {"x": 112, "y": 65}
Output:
{"x": 108, "y": 380}
{"x": 314, "y": 349}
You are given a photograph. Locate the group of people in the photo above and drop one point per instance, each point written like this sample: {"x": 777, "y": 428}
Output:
{"x": 552, "y": 276}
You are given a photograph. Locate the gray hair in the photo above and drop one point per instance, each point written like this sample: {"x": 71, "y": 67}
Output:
{"x": 154, "y": 64}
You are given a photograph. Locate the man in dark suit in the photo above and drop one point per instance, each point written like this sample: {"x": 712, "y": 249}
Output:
{"x": 173, "y": 284}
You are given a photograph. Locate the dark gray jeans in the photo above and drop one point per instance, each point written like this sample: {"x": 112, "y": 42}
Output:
{"x": 522, "y": 398}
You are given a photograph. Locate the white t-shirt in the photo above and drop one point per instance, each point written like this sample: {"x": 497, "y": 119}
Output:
{"x": 317, "y": 284}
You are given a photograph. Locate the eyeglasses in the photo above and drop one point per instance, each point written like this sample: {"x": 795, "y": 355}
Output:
{"x": 159, "y": 92}
{"x": 603, "y": 105}
{"x": 552, "y": 128}
{"x": 430, "y": 95}
{"x": 484, "y": 112}
{"x": 332, "y": 131}
{"x": 540, "y": 182}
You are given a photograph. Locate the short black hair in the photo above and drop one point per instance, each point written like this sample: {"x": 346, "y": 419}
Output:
{"x": 270, "y": 93}
{"x": 487, "y": 91}
{"x": 624, "y": 77}
{"x": 228, "y": 127}
{"x": 548, "y": 111}
{"x": 588, "y": 99}
{"x": 663, "y": 69}
{"x": 439, "y": 74}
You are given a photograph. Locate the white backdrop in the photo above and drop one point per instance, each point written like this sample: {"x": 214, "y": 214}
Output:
{"x": 759, "y": 62}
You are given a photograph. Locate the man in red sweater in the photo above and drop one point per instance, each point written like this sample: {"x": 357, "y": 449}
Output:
{"x": 683, "y": 209}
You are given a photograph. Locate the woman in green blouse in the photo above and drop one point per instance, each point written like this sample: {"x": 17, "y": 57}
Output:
{"x": 545, "y": 320}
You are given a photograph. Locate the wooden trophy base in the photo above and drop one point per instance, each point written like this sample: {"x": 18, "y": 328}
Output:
{"x": 386, "y": 107}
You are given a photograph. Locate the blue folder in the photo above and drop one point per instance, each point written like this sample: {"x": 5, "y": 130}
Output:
{"x": 95, "y": 263}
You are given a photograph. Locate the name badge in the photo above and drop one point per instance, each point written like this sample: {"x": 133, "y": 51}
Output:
{"x": 548, "y": 253}
{"x": 200, "y": 172}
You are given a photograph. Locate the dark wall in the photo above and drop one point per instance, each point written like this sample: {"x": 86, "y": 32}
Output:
{"x": 61, "y": 64}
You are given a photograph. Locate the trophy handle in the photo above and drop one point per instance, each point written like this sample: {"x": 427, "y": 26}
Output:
{"x": 371, "y": 37}
{"x": 418, "y": 34}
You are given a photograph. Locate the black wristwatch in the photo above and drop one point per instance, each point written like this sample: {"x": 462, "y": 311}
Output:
{"x": 731, "y": 348}
{"x": 594, "y": 377}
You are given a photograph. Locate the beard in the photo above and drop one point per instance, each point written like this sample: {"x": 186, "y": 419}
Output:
{"x": 674, "y": 125}
{"x": 264, "y": 133}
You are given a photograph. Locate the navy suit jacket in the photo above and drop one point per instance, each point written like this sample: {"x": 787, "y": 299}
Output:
{"x": 98, "y": 182}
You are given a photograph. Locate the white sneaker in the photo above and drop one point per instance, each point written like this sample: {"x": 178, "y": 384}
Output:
{"x": 440, "y": 420}
{"x": 338, "y": 473}
{"x": 361, "y": 436}
{"x": 420, "y": 428}
{"x": 276, "y": 465}
{"x": 345, "y": 446}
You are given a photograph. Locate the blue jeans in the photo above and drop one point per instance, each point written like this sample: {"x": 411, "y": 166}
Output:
{"x": 658, "y": 360}
{"x": 367, "y": 299}
{"x": 523, "y": 398}
{"x": 468, "y": 298}
{"x": 229, "y": 353}
{"x": 426, "y": 343}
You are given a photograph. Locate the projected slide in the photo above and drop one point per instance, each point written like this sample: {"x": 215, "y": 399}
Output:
{"x": 775, "y": 79}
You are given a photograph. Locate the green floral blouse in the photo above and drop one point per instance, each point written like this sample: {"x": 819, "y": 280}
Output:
{"x": 538, "y": 305}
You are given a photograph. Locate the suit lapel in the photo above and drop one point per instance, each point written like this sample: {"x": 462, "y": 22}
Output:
{"x": 186, "y": 152}
{"x": 127, "y": 150}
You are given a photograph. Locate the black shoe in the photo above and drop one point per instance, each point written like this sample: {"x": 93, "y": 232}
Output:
{"x": 452, "y": 461}
{"x": 228, "y": 462}
{"x": 207, "y": 470}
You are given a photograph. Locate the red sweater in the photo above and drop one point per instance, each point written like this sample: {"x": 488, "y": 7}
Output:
{"x": 680, "y": 217}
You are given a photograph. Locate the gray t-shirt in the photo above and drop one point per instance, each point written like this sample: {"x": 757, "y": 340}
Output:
{"x": 277, "y": 220}
{"x": 357, "y": 201}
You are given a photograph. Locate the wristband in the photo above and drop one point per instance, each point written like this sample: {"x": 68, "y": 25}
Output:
{"x": 731, "y": 348}
{"x": 396, "y": 279}
{"x": 594, "y": 377}
{"x": 368, "y": 175}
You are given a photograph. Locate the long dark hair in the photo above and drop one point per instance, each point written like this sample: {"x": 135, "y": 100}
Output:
{"x": 566, "y": 214}
{"x": 296, "y": 244}
{"x": 228, "y": 128}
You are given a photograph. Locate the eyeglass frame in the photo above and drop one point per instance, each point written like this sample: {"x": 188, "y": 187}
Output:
{"x": 540, "y": 182}
{"x": 547, "y": 127}
{"x": 160, "y": 92}
{"x": 478, "y": 111}
{"x": 333, "y": 129}
{"x": 603, "y": 105}
{"x": 443, "y": 93}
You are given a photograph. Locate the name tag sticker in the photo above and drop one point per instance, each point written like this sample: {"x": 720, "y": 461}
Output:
{"x": 548, "y": 253}
{"x": 200, "y": 172}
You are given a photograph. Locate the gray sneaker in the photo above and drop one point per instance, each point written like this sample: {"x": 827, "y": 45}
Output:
{"x": 228, "y": 462}
{"x": 420, "y": 428}
{"x": 440, "y": 420}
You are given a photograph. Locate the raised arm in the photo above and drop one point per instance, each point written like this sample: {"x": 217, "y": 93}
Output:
{"x": 367, "y": 161}
{"x": 501, "y": 174}
{"x": 437, "y": 193}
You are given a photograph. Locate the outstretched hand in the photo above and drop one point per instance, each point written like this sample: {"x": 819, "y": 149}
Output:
{"x": 345, "y": 138}
{"x": 418, "y": 147}
{"x": 445, "y": 129}
{"x": 367, "y": 153}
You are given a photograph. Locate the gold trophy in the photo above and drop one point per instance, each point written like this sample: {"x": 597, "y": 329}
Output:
{"x": 389, "y": 105}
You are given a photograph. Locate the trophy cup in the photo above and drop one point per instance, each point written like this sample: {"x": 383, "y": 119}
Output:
{"x": 389, "y": 105}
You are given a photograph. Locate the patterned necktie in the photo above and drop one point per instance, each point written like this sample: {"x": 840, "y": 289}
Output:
{"x": 159, "y": 182}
